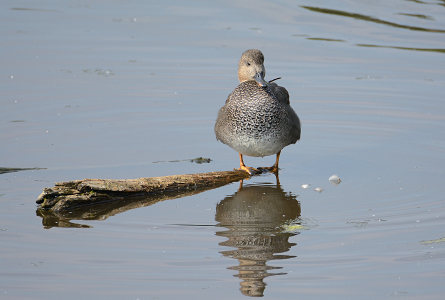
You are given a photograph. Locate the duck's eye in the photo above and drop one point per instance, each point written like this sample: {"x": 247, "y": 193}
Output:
{"x": 248, "y": 63}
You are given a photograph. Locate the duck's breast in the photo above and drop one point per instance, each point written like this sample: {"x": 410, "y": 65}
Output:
{"x": 254, "y": 122}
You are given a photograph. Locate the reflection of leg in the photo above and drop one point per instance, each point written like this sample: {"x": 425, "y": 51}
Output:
{"x": 274, "y": 168}
{"x": 243, "y": 167}
{"x": 240, "y": 185}
{"x": 278, "y": 179}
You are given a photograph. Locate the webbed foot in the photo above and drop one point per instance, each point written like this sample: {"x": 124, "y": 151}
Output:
{"x": 274, "y": 169}
{"x": 250, "y": 170}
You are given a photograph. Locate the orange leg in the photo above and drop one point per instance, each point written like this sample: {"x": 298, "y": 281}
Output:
{"x": 274, "y": 168}
{"x": 243, "y": 167}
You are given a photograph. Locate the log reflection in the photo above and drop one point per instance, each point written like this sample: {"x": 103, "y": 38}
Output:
{"x": 98, "y": 199}
{"x": 254, "y": 217}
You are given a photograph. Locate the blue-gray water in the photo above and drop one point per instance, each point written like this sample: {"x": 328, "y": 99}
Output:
{"x": 117, "y": 89}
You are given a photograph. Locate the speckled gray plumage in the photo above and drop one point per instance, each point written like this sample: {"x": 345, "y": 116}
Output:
{"x": 256, "y": 122}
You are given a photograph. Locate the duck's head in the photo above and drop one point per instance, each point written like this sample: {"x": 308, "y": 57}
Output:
{"x": 250, "y": 67}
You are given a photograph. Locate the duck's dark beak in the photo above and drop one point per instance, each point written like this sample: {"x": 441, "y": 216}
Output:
{"x": 259, "y": 78}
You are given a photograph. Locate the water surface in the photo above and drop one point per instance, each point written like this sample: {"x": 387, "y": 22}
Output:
{"x": 94, "y": 89}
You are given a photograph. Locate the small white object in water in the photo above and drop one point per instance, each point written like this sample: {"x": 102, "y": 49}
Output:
{"x": 334, "y": 179}
{"x": 305, "y": 186}
{"x": 318, "y": 189}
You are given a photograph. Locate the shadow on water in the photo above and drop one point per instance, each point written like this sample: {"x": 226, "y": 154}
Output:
{"x": 101, "y": 210}
{"x": 369, "y": 19}
{"x": 403, "y": 48}
{"x": 375, "y": 20}
{"x": 255, "y": 218}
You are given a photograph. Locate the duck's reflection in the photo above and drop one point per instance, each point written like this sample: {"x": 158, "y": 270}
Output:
{"x": 255, "y": 216}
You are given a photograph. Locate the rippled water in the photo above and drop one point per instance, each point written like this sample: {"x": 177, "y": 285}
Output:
{"x": 94, "y": 89}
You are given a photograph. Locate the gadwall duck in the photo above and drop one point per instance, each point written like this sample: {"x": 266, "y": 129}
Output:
{"x": 257, "y": 119}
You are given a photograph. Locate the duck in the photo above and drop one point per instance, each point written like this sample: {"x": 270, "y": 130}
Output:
{"x": 257, "y": 119}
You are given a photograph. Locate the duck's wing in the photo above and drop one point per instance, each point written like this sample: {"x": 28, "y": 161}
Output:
{"x": 279, "y": 92}
{"x": 295, "y": 126}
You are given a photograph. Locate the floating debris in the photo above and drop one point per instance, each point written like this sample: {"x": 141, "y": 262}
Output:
{"x": 100, "y": 72}
{"x": 293, "y": 228}
{"x": 10, "y": 170}
{"x": 318, "y": 189}
{"x": 305, "y": 186}
{"x": 334, "y": 179}
{"x": 201, "y": 160}
{"x": 441, "y": 240}
{"x": 359, "y": 223}
{"x": 197, "y": 160}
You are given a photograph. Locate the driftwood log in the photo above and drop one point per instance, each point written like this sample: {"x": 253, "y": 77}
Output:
{"x": 97, "y": 199}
